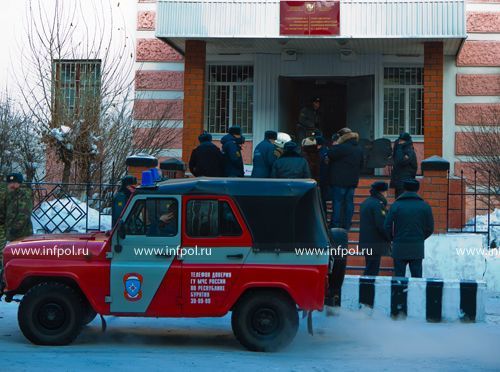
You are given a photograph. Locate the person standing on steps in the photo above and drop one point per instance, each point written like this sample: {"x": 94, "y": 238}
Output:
{"x": 346, "y": 162}
{"x": 324, "y": 169}
{"x": 408, "y": 223}
{"x": 405, "y": 162}
{"x": 372, "y": 236}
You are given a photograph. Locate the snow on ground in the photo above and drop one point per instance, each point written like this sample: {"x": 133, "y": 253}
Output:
{"x": 481, "y": 225}
{"x": 461, "y": 256}
{"x": 349, "y": 341}
{"x": 63, "y": 213}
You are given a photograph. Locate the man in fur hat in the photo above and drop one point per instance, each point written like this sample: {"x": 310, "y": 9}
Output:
{"x": 346, "y": 162}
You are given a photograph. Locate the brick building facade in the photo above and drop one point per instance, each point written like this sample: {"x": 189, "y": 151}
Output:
{"x": 461, "y": 80}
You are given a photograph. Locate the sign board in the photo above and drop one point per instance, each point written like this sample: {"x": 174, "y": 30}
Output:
{"x": 309, "y": 18}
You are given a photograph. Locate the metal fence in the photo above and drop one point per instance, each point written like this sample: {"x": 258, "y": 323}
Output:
{"x": 471, "y": 205}
{"x": 71, "y": 207}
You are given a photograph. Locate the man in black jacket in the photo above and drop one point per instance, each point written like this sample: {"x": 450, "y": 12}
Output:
{"x": 408, "y": 223}
{"x": 346, "y": 162}
{"x": 265, "y": 155}
{"x": 231, "y": 149}
{"x": 372, "y": 237}
{"x": 405, "y": 162}
{"x": 291, "y": 164}
{"x": 206, "y": 160}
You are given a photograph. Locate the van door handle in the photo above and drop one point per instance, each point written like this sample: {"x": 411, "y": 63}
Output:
{"x": 238, "y": 256}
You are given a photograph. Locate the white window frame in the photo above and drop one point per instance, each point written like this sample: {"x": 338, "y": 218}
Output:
{"x": 218, "y": 135}
{"x": 416, "y": 137}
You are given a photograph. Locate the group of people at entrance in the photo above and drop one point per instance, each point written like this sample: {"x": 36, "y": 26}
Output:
{"x": 336, "y": 164}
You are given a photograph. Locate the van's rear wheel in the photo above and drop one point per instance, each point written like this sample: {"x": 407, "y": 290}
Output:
{"x": 265, "y": 321}
{"x": 51, "y": 314}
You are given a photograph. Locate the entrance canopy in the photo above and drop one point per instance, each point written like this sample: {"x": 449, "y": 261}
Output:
{"x": 365, "y": 26}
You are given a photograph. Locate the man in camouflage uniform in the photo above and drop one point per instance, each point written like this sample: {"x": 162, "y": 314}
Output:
{"x": 19, "y": 205}
{"x": 3, "y": 194}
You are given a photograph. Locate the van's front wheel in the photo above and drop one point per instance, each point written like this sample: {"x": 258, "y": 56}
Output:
{"x": 50, "y": 314}
{"x": 265, "y": 321}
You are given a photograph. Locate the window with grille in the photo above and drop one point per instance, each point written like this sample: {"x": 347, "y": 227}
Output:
{"x": 403, "y": 100}
{"x": 229, "y": 98}
{"x": 76, "y": 87}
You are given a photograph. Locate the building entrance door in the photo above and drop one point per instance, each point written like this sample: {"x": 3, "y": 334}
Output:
{"x": 345, "y": 101}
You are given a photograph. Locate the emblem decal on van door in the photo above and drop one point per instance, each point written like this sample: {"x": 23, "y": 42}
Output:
{"x": 133, "y": 286}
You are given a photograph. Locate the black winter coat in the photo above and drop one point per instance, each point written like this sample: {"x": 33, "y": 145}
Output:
{"x": 264, "y": 156}
{"x": 290, "y": 165}
{"x": 346, "y": 162}
{"x": 233, "y": 161}
{"x": 207, "y": 160}
{"x": 405, "y": 163}
{"x": 371, "y": 232}
{"x": 408, "y": 223}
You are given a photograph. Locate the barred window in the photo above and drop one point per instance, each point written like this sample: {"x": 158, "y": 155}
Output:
{"x": 229, "y": 98}
{"x": 403, "y": 100}
{"x": 76, "y": 87}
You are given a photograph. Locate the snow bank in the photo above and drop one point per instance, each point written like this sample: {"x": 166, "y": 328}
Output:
{"x": 64, "y": 213}
{"x": 461, "y": 256}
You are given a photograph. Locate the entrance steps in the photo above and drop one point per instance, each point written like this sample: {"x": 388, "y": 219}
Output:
{"x": 356, "y": 264}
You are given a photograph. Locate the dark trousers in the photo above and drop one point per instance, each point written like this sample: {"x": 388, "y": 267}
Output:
{"x": 415, "y": 267}
{"x": 335, "y": 281}
{"x": 372, "y": 265}
{"x": 343, "y": 207}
